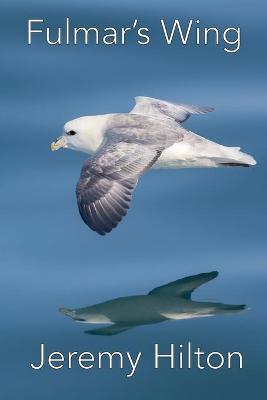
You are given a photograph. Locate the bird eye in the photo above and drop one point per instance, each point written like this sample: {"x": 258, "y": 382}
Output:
{"x": 71, "y": 133}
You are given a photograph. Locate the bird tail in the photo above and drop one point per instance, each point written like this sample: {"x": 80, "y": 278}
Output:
{"x": 230, "y": 308}
{"x": 215, "y": 154}
{"x": 233, "y": 157}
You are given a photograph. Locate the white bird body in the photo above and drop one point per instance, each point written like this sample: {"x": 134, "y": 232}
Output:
{"x": 193, "y": 151}
{"x": 123, "y": 146}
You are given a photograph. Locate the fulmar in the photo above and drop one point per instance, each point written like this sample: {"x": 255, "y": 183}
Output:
{"x": 123, "y": 146}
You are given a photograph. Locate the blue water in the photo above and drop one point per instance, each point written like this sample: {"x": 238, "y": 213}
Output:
{"x": 180, "y": 223}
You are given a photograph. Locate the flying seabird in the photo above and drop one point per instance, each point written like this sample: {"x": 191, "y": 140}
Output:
{"x": 124, "y": 146}
{"x": 168, "y": 302}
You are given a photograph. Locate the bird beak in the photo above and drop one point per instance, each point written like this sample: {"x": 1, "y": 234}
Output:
{"x": 58, "y": 143}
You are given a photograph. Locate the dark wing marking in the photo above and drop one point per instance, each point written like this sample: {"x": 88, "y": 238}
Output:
{"x": 108, "y": 179}
{"x": 159, "y": 108}
{"x": 185, "y": 286}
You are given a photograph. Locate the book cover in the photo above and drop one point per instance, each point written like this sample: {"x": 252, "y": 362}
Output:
{"x": 133, "y": 201}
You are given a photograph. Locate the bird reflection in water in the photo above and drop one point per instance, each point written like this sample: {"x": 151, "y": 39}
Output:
{"x": 168, "y": 302}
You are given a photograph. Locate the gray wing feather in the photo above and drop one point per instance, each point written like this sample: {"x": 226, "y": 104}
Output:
{"x": 185, "y": 286}
{"x": 107, "y": 181}
{"x": 165, "y": 109}
{"x": 145, "y": 129}
{"x": 133, "y": 144}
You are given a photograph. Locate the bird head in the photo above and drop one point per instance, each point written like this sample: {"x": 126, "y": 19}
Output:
{"x": 82, "y": 134}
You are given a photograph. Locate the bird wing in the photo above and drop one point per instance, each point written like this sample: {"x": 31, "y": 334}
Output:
{"x": 108, "y": 179}
{"x": 132, "y": 144}
{"x": 185, "y": 286}
{"x": 111, "y": 330}
{"x": 165, "y": 109}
